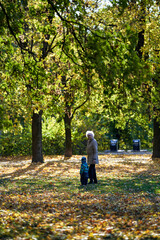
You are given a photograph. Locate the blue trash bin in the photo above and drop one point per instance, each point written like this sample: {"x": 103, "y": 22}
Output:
{"x": 114, "y": 145}
{"x": 136, "y": 144}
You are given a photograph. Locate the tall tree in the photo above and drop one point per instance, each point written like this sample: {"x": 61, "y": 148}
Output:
{"x": 145, "y": 28}
{"x": 39, "y": 31}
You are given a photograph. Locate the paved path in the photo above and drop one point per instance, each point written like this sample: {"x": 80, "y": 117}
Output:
{"x": 128, "y": 152}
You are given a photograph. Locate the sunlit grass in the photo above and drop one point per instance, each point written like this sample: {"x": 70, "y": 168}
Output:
{"x": 46, "y": 201}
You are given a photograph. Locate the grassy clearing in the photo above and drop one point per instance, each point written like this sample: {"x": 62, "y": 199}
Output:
{"x": 46, "y": 201}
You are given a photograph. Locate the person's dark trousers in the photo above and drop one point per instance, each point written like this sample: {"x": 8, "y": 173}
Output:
{"x": 92, "y": 173}
{"x": 84, "y": 178}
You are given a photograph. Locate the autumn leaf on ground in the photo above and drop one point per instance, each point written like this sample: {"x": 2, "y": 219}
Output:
{"x": 46, "y": 201}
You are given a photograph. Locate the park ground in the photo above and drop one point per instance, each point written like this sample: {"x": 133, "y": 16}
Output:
{"x": 46, "y": 201}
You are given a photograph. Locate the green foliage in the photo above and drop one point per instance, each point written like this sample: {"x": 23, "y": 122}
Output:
{"x": 95, "y": 50}
{"x": 53, "y": 137}
{"x": 14, "y": 143}
{"x": 106, "y": 129}
{"x": 19, "y": 141}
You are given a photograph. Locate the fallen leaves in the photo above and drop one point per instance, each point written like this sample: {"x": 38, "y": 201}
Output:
{"x": 46, "y": 201}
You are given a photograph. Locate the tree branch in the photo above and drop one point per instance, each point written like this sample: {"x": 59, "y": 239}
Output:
{"x": 13, "y": 34}
{"x": 79, "y": 106}
{"x": 73, "y": 22}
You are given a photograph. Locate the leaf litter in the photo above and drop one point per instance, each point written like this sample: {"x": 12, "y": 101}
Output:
{"x": 46, "y": 201}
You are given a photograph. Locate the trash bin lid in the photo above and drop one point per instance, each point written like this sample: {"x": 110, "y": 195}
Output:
{"x": 113, "y": 140}
{"x": 136, "y": 140}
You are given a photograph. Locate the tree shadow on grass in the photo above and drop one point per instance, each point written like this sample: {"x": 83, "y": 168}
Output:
{"x": 97, "y": 201}
{"x": 34, "y": 169}
{"x": 133, "y": 196}
{"x": 20, "y": 171}
{"x": 136, "y": 184}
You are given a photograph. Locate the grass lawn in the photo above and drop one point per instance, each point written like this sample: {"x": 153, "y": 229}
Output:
{"x": 46, "y": 201}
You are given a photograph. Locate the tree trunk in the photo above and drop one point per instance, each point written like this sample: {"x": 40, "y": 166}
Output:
{"x": 68, "y": 141}
{"x": 140, "y": 43}
{"x": 156, "y": 139}
{"x": 156, "y": 122}
{"x": 37, "y": 155}
{"x": 142, "y": 23}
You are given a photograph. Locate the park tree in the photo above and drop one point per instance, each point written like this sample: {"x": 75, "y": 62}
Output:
{"x": 43, "y": 36}
{"x": 148, "y": 50}
{"x": 121, "y": 71}
{"x": 64, "y": 48}
{"x": 135, "y": 87}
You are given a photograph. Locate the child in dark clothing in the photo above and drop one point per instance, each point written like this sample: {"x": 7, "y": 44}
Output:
{"x": 84, "y": 171}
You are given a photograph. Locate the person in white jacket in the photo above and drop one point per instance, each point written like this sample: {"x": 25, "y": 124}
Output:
{"x": 92, "y": 156}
